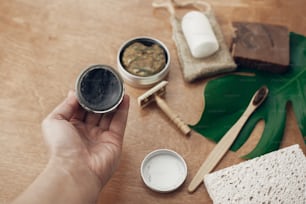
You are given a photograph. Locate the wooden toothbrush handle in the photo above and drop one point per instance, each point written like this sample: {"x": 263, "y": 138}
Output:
{"x": 174, "y": 117}
{"x": 219, "y": 150}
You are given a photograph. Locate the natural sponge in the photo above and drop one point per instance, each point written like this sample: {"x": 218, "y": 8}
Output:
{"x": 277, "y": 177}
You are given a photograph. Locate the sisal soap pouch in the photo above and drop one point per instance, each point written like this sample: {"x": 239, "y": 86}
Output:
{"x": 196, "y": 68}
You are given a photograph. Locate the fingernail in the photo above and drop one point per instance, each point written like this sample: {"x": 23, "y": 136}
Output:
{"x": 70, "y": 94}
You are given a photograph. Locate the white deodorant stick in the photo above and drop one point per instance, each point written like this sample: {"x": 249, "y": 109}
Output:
{"x": 199, "y": 34}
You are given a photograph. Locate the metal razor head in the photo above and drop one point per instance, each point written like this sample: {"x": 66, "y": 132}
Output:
{"x": 148, "y": 97}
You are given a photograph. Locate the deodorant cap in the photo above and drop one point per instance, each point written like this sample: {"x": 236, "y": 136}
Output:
{"x": 199, "y": 34}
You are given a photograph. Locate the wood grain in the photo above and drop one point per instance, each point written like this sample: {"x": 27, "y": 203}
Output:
{"x": 46, "y": 44}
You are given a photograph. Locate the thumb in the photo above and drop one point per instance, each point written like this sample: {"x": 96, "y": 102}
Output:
{"x": 66, "y": 109}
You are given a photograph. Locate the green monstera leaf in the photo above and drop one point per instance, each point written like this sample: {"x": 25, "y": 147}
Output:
{"x": 226, "y": 98}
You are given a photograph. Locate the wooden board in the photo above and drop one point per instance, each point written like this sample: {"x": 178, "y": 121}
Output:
{"x": 46, "y": 44}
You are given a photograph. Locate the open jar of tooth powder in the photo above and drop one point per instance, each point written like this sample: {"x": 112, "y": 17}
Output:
{"x": 99, "y": 89}
{"x": 143, "y": 61}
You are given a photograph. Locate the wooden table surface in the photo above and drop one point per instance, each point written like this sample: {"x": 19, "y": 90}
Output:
{"x": 45, "y": 45}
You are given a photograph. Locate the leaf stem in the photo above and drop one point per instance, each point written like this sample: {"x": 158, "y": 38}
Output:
{"x": 290, "y": 81}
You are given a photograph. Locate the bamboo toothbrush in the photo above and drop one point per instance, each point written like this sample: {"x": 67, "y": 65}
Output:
{"x": 226, "y": 142}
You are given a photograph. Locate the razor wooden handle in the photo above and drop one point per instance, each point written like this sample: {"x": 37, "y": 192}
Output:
{"x": 174, "y": 117}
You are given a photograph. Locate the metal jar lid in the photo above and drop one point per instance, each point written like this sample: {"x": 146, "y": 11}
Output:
{"x": 163, "y": 170}
{"x": 99, "y": 89}
{"x": 143, "y": 81}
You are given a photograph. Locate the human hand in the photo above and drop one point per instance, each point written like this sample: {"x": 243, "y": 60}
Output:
{"x": 86, "y": 139}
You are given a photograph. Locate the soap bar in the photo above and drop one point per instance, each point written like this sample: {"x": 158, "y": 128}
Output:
{"x": 199, "y": 34}
{"x": 261, "y": 46}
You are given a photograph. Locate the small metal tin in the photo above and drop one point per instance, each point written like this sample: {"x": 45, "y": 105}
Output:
{"x": 163, "y": 170}
{"x": 143, "y": 81}
{"x": 99, "y": 89}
